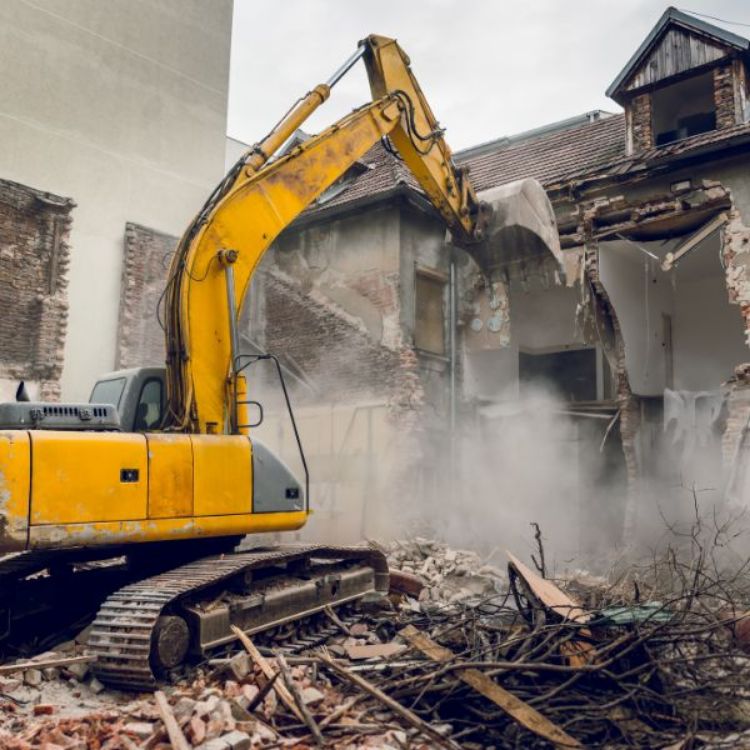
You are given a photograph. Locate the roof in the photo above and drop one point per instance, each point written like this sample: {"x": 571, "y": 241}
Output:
{"x": 591, "y": 151}
{"x": 527, "y": 135}
{"x": 675, "y": 18}
{"x": 737, "y": 135}
{"x": 548, "y": 158}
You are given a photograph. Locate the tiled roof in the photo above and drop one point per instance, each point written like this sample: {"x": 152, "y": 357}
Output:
{"x": 551, "y": 157}
{"x": 590, "y": 150}
{"x": 644, "y": 159}
{"x": 547, "y": 158}
{"x": 384, "y": 172}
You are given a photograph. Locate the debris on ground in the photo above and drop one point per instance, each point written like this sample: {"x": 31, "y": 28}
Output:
{"x": 461, "y": 655}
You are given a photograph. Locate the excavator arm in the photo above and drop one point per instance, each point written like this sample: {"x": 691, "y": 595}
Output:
{"x": 216, "y": 258}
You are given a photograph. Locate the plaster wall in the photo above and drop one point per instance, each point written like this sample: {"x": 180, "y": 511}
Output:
{"x": 707, "y": 331}
{"x": 121, "y": 106}
{"x": 641, "y": 293}
{"x": 354, "y": 262}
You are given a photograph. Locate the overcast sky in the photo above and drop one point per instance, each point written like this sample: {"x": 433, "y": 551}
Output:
{"x": 488, "y": 67}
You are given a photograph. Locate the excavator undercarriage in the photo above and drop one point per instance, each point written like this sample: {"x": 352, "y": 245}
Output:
{"x": 154, "y": 614}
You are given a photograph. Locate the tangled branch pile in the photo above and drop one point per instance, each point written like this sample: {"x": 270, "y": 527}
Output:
{"x": 468, "y": 658}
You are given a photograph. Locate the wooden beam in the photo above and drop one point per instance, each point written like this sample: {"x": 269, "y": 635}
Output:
{"x": 671, "y": 259}
{"x": 61, "y": 662}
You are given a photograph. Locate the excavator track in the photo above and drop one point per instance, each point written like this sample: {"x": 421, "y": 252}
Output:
{"x": 152, "y": 623}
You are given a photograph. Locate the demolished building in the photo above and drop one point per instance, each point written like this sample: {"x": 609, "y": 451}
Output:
{"x": 407, "y": 362}
{"x": 642, "y": 336}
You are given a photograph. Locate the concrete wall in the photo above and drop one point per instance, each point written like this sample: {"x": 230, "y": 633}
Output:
{"x": 122, "y": 107}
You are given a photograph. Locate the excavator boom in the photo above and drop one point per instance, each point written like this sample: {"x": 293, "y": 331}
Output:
{"x": 259, "y": 199}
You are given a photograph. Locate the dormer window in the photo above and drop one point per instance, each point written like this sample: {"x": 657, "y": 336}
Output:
{"x": 687, "y": 77}
{"x": 682, "y": 109}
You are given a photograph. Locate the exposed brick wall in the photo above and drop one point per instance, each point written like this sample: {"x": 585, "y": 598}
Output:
{"x": 738, "y": 412}
{"x": 639, "y": 119}
{"x": 736, "y": 255}
{"x": 379, "y": 288}
{"x": 140, "y": 339}
{"x": 336, "y": 354}
{"x": 724, "y": 97}
{"x": 34, "y": 260}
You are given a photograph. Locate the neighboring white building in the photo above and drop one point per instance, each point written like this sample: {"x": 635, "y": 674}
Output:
{"x": 120, "y": 105}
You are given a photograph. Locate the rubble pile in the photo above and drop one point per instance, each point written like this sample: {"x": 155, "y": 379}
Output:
{"x": 448, "y": 575}
{"x": 460, "y": 655}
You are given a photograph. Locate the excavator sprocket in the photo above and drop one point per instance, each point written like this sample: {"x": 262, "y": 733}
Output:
{"x": 147, "y": 628}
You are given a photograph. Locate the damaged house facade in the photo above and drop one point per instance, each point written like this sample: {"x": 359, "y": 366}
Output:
{"x": 398, "y": 344}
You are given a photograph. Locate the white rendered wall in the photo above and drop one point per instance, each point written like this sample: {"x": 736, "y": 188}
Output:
{"x": 120, "y": 105}
{"x": 707, "y": 331}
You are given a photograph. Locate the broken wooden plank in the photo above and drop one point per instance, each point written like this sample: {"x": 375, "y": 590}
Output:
{"x": 402, "y": 582}
{"x": 409, "y": 716}
{"x": 294, "y": 691}
{"x": 372, "y": 650}
{"x": 521, "y": 712}
{"x": 284, "y": 695}
{"x": 176, "y": 737}
{"x": 61, "y": 662}
{"x": 549, "y": 594}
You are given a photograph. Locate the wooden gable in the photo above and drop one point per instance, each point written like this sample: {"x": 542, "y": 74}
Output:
{"x": 677, "y": 44}
{"x": 677, "y": 52}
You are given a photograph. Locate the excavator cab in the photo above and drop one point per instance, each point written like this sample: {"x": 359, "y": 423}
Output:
{"x": 138, "y": 394}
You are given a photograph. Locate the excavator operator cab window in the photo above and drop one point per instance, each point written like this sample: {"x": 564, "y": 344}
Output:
{"x": 108, "y": 392}
{"x": 150, "y": 405}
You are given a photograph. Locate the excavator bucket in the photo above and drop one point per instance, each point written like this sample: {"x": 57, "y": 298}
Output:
{"x": 521, "y": 228}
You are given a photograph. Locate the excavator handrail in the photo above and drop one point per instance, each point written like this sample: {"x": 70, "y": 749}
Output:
{"x": 253, "y": 359}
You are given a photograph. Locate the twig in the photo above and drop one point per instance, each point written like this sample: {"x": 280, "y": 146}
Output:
{"x": 297, "y": 696}
{"x": 284, "y": 695}
{"x": 521, "y": 712}
{"x": 336, "y": 620}
{"x": 340, "y": 711}
{"x": 264, "y": 691}
{"x": 387, "y": 701}
{"x": 540, "y": 565}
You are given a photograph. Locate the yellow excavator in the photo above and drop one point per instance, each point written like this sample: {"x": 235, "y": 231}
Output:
{"x": 159, "y": 465}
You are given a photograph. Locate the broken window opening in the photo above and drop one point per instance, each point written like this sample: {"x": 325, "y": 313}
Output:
{"x": 571, "y": 373}
{"x": 429, "y": 304}
{"x": 682, "y": 109}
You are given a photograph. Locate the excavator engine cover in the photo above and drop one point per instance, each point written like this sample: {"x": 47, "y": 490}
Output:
{"x": 27, "y": 415}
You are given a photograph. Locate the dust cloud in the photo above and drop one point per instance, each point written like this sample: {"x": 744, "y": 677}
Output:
{"x": 383, "y": 474}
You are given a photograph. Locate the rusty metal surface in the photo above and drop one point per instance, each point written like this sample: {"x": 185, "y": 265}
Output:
{"x": 121, "y": 635}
